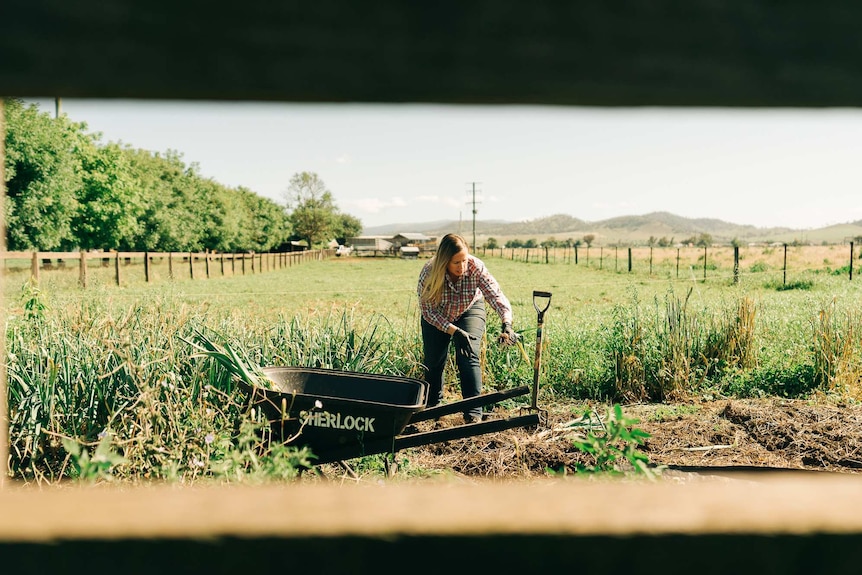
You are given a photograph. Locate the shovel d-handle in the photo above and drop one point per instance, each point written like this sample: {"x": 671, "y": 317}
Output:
{"x": 541, "y": 301}
{"x": 540, "y": 297}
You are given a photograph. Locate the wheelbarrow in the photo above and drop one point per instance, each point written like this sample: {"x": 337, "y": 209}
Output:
{"x": 342, "y": 415}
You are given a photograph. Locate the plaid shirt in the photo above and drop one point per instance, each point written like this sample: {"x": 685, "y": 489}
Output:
{"x": 476, "y": 283}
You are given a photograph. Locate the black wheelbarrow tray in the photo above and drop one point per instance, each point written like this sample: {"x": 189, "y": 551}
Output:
{"x": 342, "y": 415}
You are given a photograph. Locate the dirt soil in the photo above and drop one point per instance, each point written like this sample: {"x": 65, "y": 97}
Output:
{"x": 703, "y": 438}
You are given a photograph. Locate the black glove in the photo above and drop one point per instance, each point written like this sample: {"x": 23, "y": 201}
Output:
{"x": 464, "y": 342}
{"x": 507, "y": 335}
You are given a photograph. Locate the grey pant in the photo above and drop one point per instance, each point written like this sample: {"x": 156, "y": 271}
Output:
{"x": 435, "y": 344}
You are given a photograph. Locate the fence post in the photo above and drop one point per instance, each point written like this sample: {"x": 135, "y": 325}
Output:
{"x": 207, "y": 262}
{"x": 82, "y": 269}
{"x": 117, "y": 268}
{"x": 601, "y": 257}
{"x": 650, "y": 260}
{"x": 616, "y": 258}
{"x": 704, "y": 264}
{"x": 34, "y": 268}
{"x": 677, "y": 262}
{"x": 221, "y": 259}
{"x": 147, "y": 266}
{"x": 784, "y": 281}
{"x": 736, "y": 264}
{"x": 171, "y": 265}
{"x": 851, "y": 261}
{"x": 191, "y": 266}
{"x": 630, "y": 260}
{"x": 576, "y": 253}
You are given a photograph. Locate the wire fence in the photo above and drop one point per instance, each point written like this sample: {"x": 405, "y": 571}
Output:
{"x": 779, "y": 264}
{"x": 781, "y": 261}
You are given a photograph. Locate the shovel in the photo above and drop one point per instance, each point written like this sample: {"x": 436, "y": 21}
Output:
{"x": 539, "y": 297}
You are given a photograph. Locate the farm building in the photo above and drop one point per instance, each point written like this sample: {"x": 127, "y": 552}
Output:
{"x": 370, "y": 245}
{"x": 410, "y": 239}
{"x": 380, "y": 245}
{"x": 415, "y": 240}
{"x": 292, "y": 246}
{"x": 409, "y": 252}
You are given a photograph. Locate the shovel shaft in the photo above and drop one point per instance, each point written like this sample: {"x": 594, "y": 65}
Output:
{"x": 540, "y": 321}
{"x": 537, "y": 366}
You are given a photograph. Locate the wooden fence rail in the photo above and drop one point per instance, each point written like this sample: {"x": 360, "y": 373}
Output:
{"x": 198, "y": 264}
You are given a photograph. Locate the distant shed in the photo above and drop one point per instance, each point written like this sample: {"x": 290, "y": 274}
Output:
{"x": 421, "y": 241}
{"x": 370, "y": 245}
{"x": 409, "y": 252}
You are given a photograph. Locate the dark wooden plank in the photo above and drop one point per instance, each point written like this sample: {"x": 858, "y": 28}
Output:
{"x": 604, "y": 53}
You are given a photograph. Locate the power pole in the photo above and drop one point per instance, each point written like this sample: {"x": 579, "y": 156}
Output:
{"x": 473, "y": 202}
{"x": 58, "y": 106}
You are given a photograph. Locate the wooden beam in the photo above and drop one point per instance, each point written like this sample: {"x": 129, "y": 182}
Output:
{"x": 555, "y": 52}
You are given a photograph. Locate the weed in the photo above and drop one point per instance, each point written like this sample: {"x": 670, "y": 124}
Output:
{"x": 803, "y": 284}
{"x": 95, "y": 467}
{"x": 673, "y": 412}
{"x": 619, "y": 442}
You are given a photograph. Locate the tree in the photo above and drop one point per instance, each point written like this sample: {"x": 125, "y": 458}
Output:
{"x": 491, "y": 244}
{"x": 170, "y": 220}
{"x": 269, "y": 226}
{"x": 312, "y": 210}
{"x": 108, "y": 206}
{"x": 589, "y": 239}
{"x": 43, "y": 178}
{"x": 346, "y": 226}
{"x": 704, "y": 240}
{"x": 515, "y": 243}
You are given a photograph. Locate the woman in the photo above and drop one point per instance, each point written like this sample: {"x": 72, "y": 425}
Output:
{"x": 453, "y": 288}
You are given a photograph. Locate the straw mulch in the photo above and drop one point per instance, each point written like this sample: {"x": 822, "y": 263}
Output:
{"x": 698, "y": 437}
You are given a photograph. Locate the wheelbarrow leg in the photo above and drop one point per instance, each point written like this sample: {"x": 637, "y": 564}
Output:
{"x": 348, "y": 470}
{"x": 390, "y": 465}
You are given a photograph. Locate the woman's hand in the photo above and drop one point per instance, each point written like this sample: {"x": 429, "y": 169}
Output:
{"x": 464, "y": 342}
{"x": 508, "y": 335}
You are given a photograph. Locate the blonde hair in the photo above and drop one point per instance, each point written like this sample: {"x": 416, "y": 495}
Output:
{"x": 450, "y": 245}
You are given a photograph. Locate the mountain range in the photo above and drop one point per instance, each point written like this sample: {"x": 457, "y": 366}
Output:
{"x": 631, "y": 230}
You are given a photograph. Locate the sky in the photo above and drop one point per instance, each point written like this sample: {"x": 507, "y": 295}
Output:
{"x": 414, "y": 163}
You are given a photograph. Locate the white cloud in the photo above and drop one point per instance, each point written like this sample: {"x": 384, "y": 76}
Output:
{"x": 376, "y": 205}
{"x": 344, "y": 159}
{"x": 447, "y": 201}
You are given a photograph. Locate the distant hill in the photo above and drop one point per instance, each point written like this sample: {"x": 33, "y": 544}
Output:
{"x": 625, "y": 230}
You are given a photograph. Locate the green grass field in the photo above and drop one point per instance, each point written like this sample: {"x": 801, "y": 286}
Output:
{"x": 108, "y": 361}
